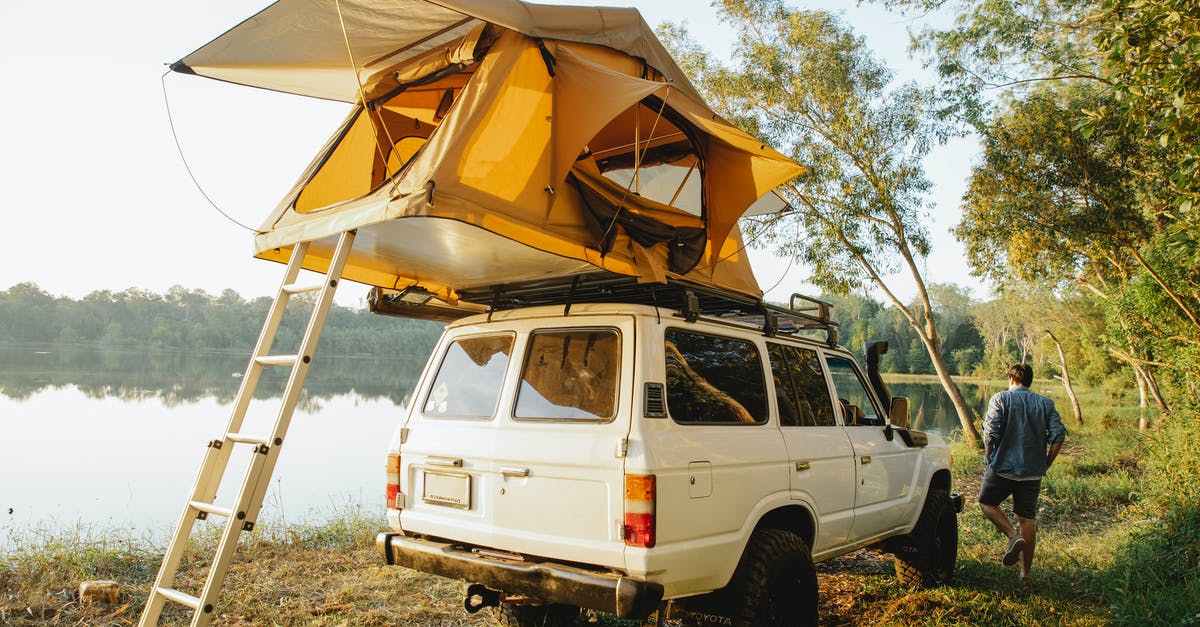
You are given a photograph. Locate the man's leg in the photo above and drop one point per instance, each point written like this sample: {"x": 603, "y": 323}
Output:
{"x": 1029, "y": 532}
{"x": 998, "y": 518}
{"x": 992, "y": 492}
{"x": 1025, "y": 497}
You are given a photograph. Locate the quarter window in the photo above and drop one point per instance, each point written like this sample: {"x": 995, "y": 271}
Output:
{"x": 570, "y": 375}
{"x": 714, "y": 380}
{"x": 469, "y": 380}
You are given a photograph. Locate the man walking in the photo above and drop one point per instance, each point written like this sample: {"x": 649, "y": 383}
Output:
{"x": 1022, "y": 435}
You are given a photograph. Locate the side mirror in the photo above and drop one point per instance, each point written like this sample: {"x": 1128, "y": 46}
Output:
{"x": 899, "y": 412}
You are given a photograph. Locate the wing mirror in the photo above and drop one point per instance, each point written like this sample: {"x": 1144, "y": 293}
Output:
{"x": 899, "y": 412}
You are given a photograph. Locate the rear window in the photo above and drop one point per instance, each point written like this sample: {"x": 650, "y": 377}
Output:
{"x": 714, "y": 380}
{"x": 469, "y": 379}
{"x": 570, "y": 374}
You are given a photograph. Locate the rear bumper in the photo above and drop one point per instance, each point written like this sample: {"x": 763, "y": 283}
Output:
{"x": 546, "y": 581}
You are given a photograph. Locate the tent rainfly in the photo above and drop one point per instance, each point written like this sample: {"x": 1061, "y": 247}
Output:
{"x": 494, "y": 141}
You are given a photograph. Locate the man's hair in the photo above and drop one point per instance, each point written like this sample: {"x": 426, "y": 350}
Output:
{"x": 1021, "y": 373}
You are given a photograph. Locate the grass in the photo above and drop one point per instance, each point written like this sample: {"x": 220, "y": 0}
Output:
{"x": 1118, "y": 544}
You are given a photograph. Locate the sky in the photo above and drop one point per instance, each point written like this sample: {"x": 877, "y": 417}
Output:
{"x": 97, "y": 195}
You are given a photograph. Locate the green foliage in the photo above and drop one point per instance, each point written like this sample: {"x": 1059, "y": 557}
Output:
{"x": 185, "y": 319}
{"x": 1047, "y": 203}
{"x": 1152, "y": 53}
{"x": 1090, "y": 172}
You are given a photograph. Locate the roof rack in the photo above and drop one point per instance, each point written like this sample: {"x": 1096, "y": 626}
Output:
{"x": 691, "y": 300}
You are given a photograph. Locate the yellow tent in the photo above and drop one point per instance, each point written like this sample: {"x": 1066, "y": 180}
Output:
{"x": 494, "y": 141}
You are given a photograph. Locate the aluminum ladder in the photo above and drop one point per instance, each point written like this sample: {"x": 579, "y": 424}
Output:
{"x": 264, "y": 448}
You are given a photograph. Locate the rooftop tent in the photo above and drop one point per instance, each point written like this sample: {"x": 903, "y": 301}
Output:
{"x": 494, "y": 141}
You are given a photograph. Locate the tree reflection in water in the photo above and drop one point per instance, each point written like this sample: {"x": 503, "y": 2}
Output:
{"x": 186, "y": 377}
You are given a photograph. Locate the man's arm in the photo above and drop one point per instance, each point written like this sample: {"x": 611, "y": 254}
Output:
{"x": 1055, "y": 434}
{"x": 1052, "y": 452}
{"x": 993, "y": 426}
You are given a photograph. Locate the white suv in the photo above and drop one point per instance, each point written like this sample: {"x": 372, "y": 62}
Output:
{"x": 683, "y": 451}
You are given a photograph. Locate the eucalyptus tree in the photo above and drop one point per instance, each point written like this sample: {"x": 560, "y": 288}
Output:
{"x": 1053, "y": 204}
{"x": 804, "y": 82}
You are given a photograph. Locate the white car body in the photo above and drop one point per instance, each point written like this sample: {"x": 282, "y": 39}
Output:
{"x": 549, "y": 495}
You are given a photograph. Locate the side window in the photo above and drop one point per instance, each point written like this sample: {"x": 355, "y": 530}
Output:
{"x": 714, "y": 380}
{"x": 469, "y": 379}
{"x": 570, "y": 374}
{"x": 857, "y": 409}
{"x": 800, "y": 387}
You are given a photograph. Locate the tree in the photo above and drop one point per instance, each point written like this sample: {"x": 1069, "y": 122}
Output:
{"x": 1121, "y": 77}
{"x": 1055, "y": 205}
{"x": 1152, "y": 55}
{"x": 803, "y": 82}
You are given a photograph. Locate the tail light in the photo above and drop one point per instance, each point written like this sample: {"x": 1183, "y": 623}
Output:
{"x": 395, "y": 500}
{"x": 639, "y": 510}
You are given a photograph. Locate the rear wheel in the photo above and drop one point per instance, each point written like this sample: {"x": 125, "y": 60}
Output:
{"x": 926, "y": 556}
{"x": 553, "y": 615}
{"x": 775, "y": 585}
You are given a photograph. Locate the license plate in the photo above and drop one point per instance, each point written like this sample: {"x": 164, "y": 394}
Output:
{"x": 449, "y": 490}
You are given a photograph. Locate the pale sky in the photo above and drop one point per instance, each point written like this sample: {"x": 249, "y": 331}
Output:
{"x": 97, "y": 196}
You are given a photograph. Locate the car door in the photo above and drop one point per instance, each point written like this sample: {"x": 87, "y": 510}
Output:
{"x": 820, "y": 454}
{"x": 885, "y": 467}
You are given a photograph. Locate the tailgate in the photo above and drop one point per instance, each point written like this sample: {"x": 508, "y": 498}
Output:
{"x": 517, "y": 441}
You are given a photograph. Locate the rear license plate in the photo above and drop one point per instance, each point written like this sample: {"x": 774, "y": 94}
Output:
{"x": 449, "y": 490}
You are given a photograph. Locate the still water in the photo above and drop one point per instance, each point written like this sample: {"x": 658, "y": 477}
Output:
{"x": 112, "y": 440}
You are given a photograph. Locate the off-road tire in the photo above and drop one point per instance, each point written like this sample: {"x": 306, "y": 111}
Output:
{"x": 774, "y": 585}
{"x": 553, "y": 615}
{"x": 926, "y": 557}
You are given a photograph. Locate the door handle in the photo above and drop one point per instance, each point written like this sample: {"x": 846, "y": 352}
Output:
{"x": 866, "y": 459}
{"x": 509, "y": 471}
{"x": 802, "y": 466}
{"x": 444, "y": 461}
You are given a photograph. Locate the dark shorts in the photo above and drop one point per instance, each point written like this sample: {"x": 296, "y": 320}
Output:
{"x": 995, "y": 489}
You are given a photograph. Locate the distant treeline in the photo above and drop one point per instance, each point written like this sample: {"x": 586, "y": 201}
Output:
{"x": 184, "y": 319}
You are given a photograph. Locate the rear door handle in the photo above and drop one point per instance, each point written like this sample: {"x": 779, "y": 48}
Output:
{"x": 802, "y": 466}
{"x": 444, "y": 461}
{"x": 866, "y": 459}
{"x": 509, "y": 471}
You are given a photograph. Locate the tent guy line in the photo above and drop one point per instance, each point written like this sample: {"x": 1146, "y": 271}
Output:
{"x": 183, "y": 158}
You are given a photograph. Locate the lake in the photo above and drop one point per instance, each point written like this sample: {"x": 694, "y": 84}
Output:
{"x": 113, "y": 439}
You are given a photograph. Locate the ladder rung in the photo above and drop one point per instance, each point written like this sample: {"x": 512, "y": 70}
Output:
{"x": 245, "y": 439}
{"x": 277, "y": 360}
{"x": 296, "y": 288}
{"x": 209, "y": 508}
{"x": 181, "y": 598}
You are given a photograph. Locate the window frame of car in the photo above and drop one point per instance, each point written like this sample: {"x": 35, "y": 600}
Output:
{"x": 762, "y": 372}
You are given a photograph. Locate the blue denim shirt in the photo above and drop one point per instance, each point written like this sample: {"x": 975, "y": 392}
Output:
{"x": 1020, "y": 425}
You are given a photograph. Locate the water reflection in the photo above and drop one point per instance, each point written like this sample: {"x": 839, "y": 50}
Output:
{"x": 931, "y": 409}
{"x": 114, "y": 438}
{"x": 178, "y": 378}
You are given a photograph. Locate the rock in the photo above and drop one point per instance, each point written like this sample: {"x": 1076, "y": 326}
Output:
{"x": 99, "y": 591}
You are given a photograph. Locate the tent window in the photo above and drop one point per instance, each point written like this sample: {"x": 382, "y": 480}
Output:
{"x": 403, "y": 152}
{"x": 651, "y": 156}
{"x": 357, "y": 164}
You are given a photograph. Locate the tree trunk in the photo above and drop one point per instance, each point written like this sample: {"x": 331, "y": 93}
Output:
{"x": 1066, "y": 380}
{"x": 1155, "y": 391}
{"x": 1141, "y": 385}
{"x": 956, "y": 397}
